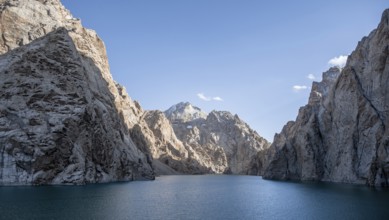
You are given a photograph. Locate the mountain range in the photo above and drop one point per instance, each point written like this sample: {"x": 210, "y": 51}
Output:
{"x": 64, "y": 120}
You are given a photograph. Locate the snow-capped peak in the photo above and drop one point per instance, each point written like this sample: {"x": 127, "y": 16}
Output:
{"x": 184, "y": 112}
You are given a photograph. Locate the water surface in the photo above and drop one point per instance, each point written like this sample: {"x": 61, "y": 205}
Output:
{"x": 196, "y": 197}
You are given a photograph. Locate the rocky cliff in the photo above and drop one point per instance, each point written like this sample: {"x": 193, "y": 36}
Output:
{"x": 342, "y": 134}
{"x": 188, "y": 141}
{"x": 154, "y": 133}
{"x": 223, "y": 142}
{"x": 62, "y": 117}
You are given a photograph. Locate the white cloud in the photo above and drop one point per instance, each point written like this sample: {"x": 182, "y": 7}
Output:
{"x": 311, "y": 77}
{"x": 208, "y": 98}
{"x": 339, "y": 61}
{"x": 217, "y": 98}
{"x": 203, "y": 97}
{"x": 298, "y": 88}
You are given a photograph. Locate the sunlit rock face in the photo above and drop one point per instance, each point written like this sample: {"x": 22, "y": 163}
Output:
{"x": 63, "y": 120}
{"x": 186, "y": 140}
{"x": 154, "y": 133}
{"x": 222, "y": 141}
{"x": 342, "y": 134}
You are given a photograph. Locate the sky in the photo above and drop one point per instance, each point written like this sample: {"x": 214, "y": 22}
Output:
{"x": 254, "y": 58}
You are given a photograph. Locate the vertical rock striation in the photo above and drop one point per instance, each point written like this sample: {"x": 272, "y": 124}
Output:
{"x": 342, "y": 134}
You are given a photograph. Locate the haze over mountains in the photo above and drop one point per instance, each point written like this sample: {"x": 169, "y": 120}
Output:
{"x": 64, "y": 120}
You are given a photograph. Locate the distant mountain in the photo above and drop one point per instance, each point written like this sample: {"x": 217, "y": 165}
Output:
{"x": 184, "y": 112}
{"x": 342, "y": 135}
{"x": 219, "y": 137}
{"x": 186, "y": 140}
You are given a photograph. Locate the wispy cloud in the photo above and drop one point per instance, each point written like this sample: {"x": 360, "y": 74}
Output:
{"x": 208, "y": 98}
{"x": 339, "y": 61}
{"x": 311, "y": 77}
{"x": 298, "y": 88}
{"x": 203, "y": 97}
{"x": 217, "y": 98}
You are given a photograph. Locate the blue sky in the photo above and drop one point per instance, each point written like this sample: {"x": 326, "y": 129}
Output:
{"x": 249, "y": 53}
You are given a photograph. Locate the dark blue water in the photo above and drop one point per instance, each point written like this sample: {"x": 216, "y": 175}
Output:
{"x": 196, "y": 197}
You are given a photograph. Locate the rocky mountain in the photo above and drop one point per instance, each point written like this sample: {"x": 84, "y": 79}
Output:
{"x": 186, "y": 140}
{"x": 62, "y": 117}
{"x": 184, "y": 112}
{"x": 342, "y": 134}
{"x": 155, "y": 135}
{"x": 64, "y": 120}
{"x": 223, "y": 141}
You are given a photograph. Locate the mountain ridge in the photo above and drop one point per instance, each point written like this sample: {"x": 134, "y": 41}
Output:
{"x": 234, "y": 142}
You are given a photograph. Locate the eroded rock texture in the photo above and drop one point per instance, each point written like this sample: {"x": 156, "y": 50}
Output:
{"x": 62, "y": 117}
{"x": 342, "y": 134}
{"x": 55, "y": 126}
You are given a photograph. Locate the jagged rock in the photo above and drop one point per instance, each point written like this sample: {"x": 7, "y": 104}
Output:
{"x": 55, "y": 126}
{"x": 154, "y": 133}
{"x": 223, "y": 141}
{"x": 62, "y": 117}
{"x": 342, "y": 134}
{"x": 186, "y": 140}
{"x": 25, "y": 20}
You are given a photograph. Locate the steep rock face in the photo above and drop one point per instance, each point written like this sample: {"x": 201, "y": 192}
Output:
{"x": 342, "y": 136}
{"x": 72, "y": 127}
{"x": 57, "y": 128}
{"x": 25, "y": 20}
{"x": 221, "y": 139}
{"x": 154, "y": 133}
{"x": 298, "y": 148}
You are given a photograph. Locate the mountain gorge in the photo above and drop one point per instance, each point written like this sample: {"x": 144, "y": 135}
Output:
{"x": 64, "y": 120}
{"x": 342, "y": 134}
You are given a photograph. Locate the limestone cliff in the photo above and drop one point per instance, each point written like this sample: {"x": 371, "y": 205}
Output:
{"x": 342, "y": 134}
{"x": 62, "y": 117}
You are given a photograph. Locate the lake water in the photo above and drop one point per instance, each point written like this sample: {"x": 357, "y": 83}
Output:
{"x": 196, "y": 197}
